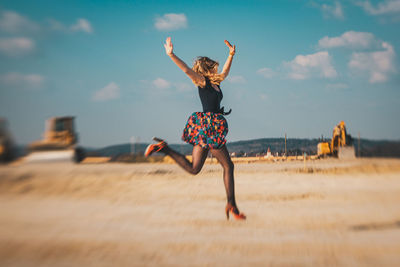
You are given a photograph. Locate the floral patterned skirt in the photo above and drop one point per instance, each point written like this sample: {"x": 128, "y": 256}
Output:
{"x": 207, "y": 129}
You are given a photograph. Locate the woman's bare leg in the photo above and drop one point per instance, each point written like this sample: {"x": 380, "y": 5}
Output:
{"x": 224, "y": 159}
{"x": 199, "y": 156}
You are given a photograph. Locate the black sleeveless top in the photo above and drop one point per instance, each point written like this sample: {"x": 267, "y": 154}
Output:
{"x": 210, "y": 98}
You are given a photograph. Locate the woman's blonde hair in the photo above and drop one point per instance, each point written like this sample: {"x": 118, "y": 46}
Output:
{"x": 208, "y": 68}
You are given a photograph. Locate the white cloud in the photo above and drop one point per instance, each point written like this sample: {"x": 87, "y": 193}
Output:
{"x": 82, "y": 25}
{"x": 183, "y": 87}
{"x": 170, "y": 22}
{"x": 383, "y": 8}
{"x": 350, "y": 39}
{"x": 378, "y": 64}
{"x": 55, "y": 25}
{"x": 304, "y": 66}
{"x": 160, "y": 83}
{"x": 24, "y": 81}
{"x": 111, "y": 91}
{"x": 335, "y": 11}
{"x": 13, "y": 22}
{"x": 266, "y": 72}
{"x": 236, "y": 79}
{"x": 16, "y": 46}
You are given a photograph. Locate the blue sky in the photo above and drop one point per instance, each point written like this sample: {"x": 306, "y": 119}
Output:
{"x": 300, "y": 67}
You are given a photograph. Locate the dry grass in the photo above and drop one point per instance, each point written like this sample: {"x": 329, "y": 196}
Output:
{"x": 324, "y": 213}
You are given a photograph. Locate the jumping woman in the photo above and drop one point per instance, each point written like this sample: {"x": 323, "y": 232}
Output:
{"x": 205, "y": 130}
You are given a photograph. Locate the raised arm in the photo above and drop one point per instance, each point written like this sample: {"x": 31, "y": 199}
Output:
{"x": 228, "y": 63}
{"x": 196, "y": 78}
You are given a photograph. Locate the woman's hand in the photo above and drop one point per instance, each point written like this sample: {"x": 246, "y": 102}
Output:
{"x": 195, "y": 77}
{"x": 168, "y": 46}
{"x": 228, "y": 63}
{"x": 232, "y": 49}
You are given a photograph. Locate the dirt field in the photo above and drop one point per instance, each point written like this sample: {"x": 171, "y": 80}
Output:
{"x": 327, "y": 213}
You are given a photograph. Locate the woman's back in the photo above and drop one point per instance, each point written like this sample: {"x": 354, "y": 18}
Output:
{"x": 210, "y": 98}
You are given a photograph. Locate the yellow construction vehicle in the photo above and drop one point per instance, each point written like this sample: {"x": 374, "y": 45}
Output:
{"x": 340, "y": 146}
{"x": 7, "y": 147}
{"x": 59, "y": 142}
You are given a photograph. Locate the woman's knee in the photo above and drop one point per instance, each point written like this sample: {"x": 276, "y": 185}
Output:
{"x": 195, "y": 170}
{"x": 229, "y": 166}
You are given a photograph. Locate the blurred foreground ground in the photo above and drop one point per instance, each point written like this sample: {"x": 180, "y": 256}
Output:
{"x": 330, "y": 213}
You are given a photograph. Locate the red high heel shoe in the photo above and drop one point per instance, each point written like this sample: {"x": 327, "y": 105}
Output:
{"x": 152, "y": 148}
{"x": 230, "y": 209}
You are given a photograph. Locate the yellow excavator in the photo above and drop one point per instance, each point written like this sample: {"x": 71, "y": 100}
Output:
{"x": 59, "y": 142}
{"x": 341, "y": 145}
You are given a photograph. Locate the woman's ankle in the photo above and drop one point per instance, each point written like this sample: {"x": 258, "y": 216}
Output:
{"x": 232, "y": 204}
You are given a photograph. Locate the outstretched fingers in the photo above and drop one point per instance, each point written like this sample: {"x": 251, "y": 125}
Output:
{"x": 168, "y": 46}
{"x": 232, "y": 49}
{"x": 228, "y": 43}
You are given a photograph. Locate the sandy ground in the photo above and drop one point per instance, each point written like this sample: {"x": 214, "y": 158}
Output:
{"x": 327, "y": 213}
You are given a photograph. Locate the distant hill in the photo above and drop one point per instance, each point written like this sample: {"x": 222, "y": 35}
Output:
{"x": 378, "y": 148}
{"x": 295, "y": 146}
